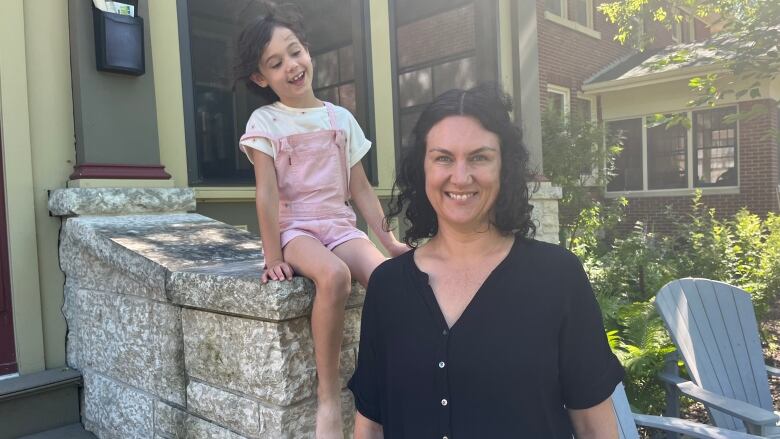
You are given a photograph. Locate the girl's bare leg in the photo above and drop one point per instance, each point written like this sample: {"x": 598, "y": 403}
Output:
{"x": 331, "y": 276}
{"x": 361, "y": 256}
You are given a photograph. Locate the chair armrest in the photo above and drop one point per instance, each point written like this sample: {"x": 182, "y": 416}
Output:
{"x": 773, "y": 371}
{"x": 740, "y": 409}
{"x": 689, "y": 428}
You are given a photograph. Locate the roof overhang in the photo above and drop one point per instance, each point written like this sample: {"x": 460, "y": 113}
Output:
{"x": 649, "y": 79}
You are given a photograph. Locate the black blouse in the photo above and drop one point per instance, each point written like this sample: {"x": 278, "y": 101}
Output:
{"x": 529, "y": 345}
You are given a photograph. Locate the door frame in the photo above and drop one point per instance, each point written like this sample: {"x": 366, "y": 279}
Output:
{"x": 8, "y": 364}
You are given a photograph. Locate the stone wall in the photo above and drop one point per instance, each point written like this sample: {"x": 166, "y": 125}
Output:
{"x": 172, "y": 330}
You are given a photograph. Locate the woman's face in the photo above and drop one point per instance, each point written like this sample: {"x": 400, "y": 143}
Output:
{"x": 462, "y": 172}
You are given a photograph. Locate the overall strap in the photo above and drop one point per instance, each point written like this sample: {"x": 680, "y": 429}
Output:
{"x": 331, "y": 115}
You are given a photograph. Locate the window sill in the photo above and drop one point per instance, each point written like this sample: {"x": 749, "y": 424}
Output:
{"x": 572, "y": 25}
{"x": 687, "y": 192}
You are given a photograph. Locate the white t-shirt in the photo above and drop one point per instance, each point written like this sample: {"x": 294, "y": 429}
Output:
{"x": 278, "y": 120}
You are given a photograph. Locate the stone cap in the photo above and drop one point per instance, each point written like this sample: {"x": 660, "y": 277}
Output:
{"x": 200, "y": 262}
{"x": 544, "y": 190}
{"x": 120, "y": 201}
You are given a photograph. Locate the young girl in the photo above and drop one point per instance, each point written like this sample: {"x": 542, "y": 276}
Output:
{"x": 306, "y": 155}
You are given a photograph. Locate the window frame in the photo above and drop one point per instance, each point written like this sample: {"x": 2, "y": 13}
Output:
{"x": 690, "y": 162}
{"x": 486, "y": 21}
{"x": 564, "y": 20}
{"x": 360, "y": 18}
{"x": 566, "y": 93}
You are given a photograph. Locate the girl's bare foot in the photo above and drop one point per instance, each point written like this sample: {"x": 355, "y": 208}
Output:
{"x": 329, "y": 423}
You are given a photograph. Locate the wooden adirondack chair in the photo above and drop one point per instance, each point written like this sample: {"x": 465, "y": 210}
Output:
{"x": 714, "y": 327}
{"x": 628, "y": 422}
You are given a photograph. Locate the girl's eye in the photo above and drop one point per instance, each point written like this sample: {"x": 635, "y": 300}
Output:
{"x": 296, "y": 53}
{"x": 276, "y": 65}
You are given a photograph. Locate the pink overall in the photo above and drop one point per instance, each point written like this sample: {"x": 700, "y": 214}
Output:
{"x": 313, "y": 182}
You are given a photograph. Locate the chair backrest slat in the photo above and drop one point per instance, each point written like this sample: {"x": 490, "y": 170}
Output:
{"x": 684, "y": 326}
{"x": 714, "y": 327}
{"x": 625, "y": 419}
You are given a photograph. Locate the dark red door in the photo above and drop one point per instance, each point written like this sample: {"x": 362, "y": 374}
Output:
{"x": 7, "y": 351}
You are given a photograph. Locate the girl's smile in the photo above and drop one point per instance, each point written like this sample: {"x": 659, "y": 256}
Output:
{"x": 286, "y": 67}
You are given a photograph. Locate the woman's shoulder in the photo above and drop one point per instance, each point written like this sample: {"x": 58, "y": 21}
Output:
{"x": 547, "y": 253}
{"x": 392, "y": 268}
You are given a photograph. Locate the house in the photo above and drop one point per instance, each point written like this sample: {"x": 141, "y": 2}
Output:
{"x": 64, "y": 123}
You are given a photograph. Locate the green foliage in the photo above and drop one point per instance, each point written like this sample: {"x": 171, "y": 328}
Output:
{"x": 746, "y": 44}
{"x": 576, "y": 160}
{"x": 627, "y": 271}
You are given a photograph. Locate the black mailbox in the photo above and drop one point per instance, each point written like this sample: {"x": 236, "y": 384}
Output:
{"x": 119, "y": 42}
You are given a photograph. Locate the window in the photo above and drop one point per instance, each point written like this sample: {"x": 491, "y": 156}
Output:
{"x": 676, "y": 157}
{"x": 558, "y": 99}
{"x": 684, "y": 30}
{"x": 578, "y": 11}
{"x": 437, "y": 48}
{"x": 667, "y": 152}
{"x": 628, "y": 165}
{"x": 716, "y": 148}
{"x": 216, "y": 112}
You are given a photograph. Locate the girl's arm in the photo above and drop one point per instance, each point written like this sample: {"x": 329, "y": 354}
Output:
{"x": 368, "y": 204}
{"x": 366, "y": 428}
{"x": 267, "y": 205}
{"x": 597, "y": 422}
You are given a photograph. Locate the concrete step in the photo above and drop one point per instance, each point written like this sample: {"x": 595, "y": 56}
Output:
{"x": 73, "y": 431}
{"x": 38, "y": 402}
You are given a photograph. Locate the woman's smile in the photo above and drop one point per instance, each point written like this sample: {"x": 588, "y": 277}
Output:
{"x": 462, "y": 168}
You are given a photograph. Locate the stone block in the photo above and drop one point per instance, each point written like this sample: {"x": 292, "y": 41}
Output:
{"x": 115, "y": 410}
{"x": 116, "y": 201}
{"x": 130, "y": 339}
{"x": 273, "y": 362}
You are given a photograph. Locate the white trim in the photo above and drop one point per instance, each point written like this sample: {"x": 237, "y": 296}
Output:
{"x": 555, "y": 18}
{"x": 649, "y": 79}
{"x": 690, "y": 165}
{"x": 566, "y": 93}
{"x": 722, "y": 190}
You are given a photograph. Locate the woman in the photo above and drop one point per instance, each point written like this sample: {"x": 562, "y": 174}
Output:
{"x": 481, "y": 332}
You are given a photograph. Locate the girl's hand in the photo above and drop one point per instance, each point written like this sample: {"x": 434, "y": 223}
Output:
{"x": 277, "y": 270}
{"x": 397, "y": 248}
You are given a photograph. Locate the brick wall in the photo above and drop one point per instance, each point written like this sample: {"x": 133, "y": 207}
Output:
{"x": 567, "y": 57}
{"x": 758, "y": 173}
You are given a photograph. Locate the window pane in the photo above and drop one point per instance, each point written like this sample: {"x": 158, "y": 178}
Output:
{"x": 667, "y": 157}
{"x": 716, "y": 148}
{"x": 442, "y": 35}
{"x": 326, "y": 69}
{"x": 553, "y": 6}
{"x": 455, "y": 74}
{"x": 347, "y": 97}
{"x": 415, "y": 88}
{"x": 628, "y": 165}
{"x": 578, "y": 11}
{"x": 581, "y": 110}
{"x": 555, "y": 103}
{"x": 407, "y": 123}
{"x": 221, "y": 111}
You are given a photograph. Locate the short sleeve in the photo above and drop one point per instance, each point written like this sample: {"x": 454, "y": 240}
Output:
{"x": 358, "y": 144}
{"x": 364, "y": 383}
{"x": 256, "y": 136}
{"x": 589, "y": 370}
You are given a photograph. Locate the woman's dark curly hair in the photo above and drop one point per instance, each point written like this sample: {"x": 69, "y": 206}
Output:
{"x": 255, "y": 38}
{"x": 488, "y": 104}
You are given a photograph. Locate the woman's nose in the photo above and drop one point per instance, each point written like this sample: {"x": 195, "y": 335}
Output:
{"x": 461, "y": 174}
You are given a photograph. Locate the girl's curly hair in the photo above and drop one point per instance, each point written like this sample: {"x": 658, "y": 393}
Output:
{"x": 255, "y": 37}
{"x": 488, "y": 104}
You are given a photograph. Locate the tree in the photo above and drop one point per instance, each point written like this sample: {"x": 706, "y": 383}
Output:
{"x": 746, "y": 44}
{"x": 577, "y": 160}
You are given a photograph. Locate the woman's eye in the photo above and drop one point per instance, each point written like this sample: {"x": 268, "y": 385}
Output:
{"x": 443, "y": 159}
{"x": 479, "y": 158}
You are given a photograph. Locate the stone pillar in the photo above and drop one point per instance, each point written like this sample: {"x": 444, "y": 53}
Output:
{"x": 171, "y": 328}
{"x": 545, "y": 213}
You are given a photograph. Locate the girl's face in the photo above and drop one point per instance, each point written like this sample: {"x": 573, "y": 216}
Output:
{"x": 285, "y": 66}
{"x": 462, "y": 172}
